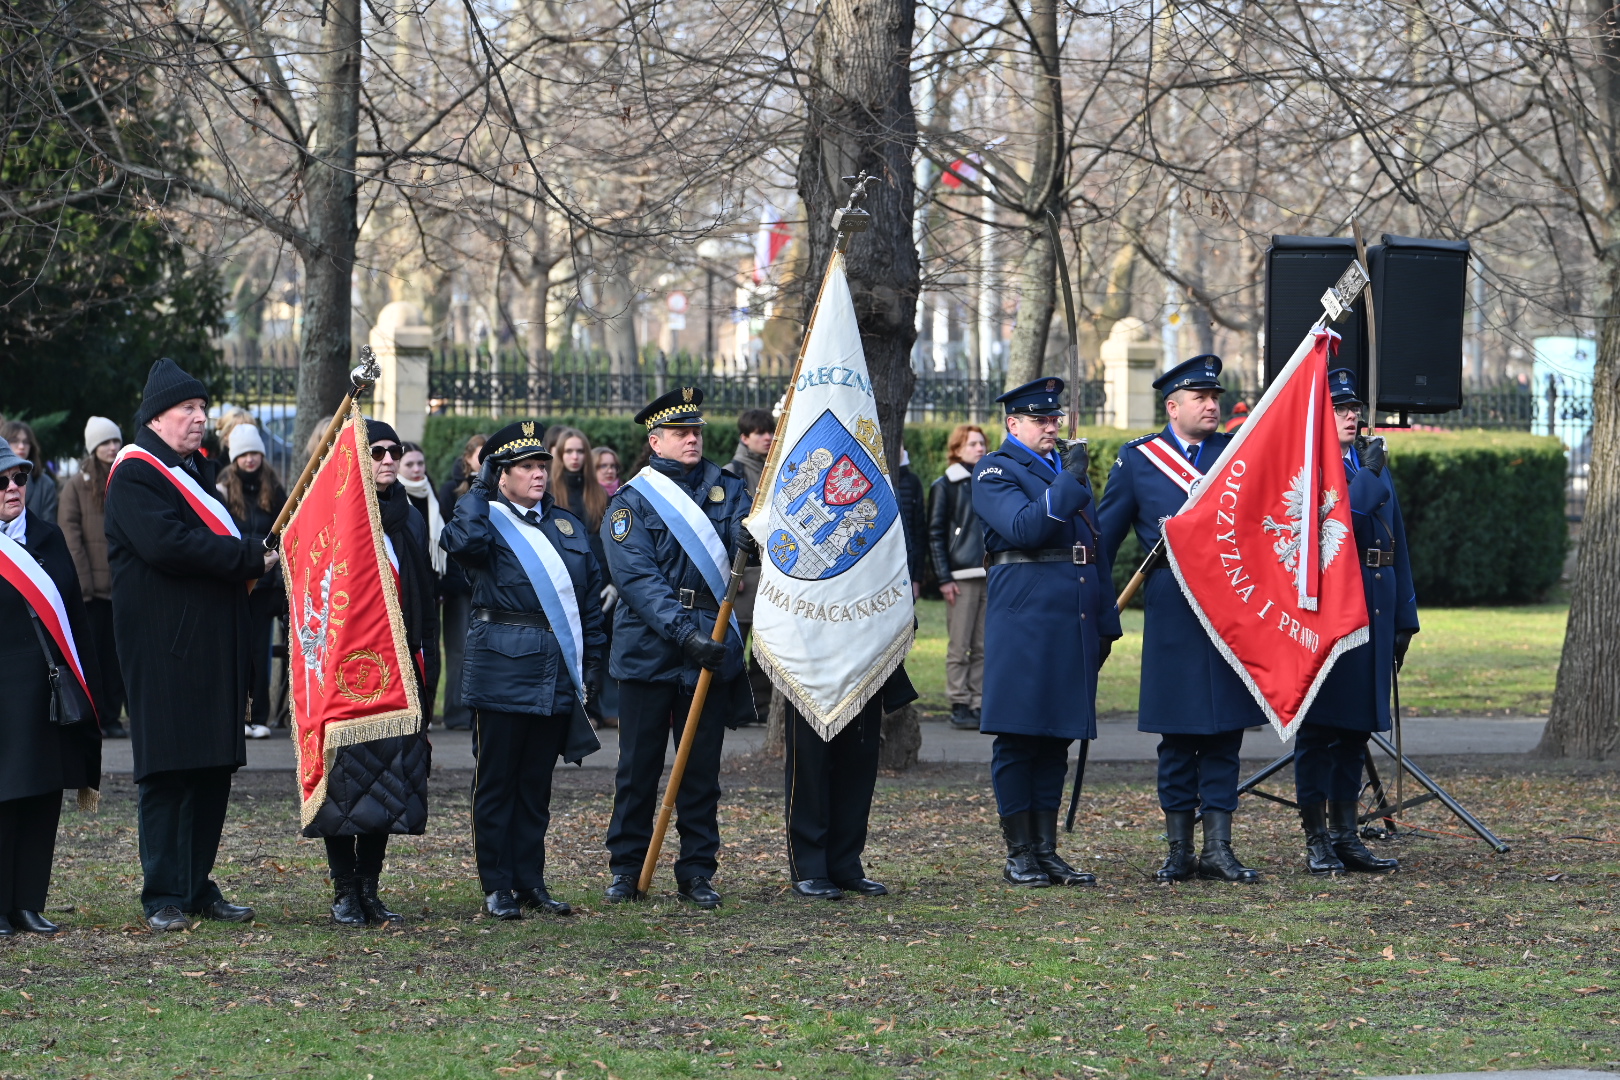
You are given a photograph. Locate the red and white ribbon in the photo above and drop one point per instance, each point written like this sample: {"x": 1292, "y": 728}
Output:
{"x": 1170, "y": 463}
{"x": 211, "y": 511}
{"x": 29, "y": 578}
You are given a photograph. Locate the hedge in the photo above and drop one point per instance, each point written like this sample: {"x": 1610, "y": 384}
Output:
{"x": 1449, "y": 482}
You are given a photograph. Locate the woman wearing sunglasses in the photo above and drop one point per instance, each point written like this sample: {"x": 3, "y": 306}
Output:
{"x": 41, "y": 757}
{"x": 379, "y": 787}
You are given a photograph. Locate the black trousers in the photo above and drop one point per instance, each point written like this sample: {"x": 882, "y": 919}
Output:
{"x": 1027, "y": 772}
{"x": 109, "y": 690}
{"x": 455, "y": 616}
{"x": 27, "y": 845}
{"x": 651, "y": 715}
{"x": 829, "y": 794}
{"x": 517, "y": 754}
{"x": 182, "y": 815}
{"x": 350, "y": 856}
{"x": 1199, "y": 771}
{"x": 263, "y": 607}
{"x": 1327, "y": 763}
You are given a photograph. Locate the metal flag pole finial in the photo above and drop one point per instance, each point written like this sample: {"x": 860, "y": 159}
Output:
{"x": 850, "y": 218}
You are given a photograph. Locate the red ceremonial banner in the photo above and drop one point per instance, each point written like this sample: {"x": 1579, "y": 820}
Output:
{"x": 1263, "y": 548}
{"x": 352, "y": 680}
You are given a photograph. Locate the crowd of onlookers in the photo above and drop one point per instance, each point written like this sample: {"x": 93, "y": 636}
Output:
{"x": 943, "y": 542}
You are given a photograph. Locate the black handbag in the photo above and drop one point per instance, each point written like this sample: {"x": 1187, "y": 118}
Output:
{"x": 69, "y": 705}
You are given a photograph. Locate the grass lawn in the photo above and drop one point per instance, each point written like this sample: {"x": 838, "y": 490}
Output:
{"x": 1466, "y": 662}
{"x": 1465, "y": 960}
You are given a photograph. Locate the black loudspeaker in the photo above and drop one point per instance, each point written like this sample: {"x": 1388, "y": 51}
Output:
{"x": 1299, "y": 269}
{"x": 1419, "y": 291}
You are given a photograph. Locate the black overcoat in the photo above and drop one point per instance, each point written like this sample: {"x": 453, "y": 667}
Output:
{"x": 180, "y": 617}
{"x": 37, "y": 756}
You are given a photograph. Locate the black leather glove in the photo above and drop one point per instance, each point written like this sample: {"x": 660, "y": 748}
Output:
{"x": 1373, "y": 453}
{"x": 1105, "y": 648}
{"x": 742, "y": 540}
{"x": 593, "y": 693}
{"x": 489, "y": 479}
{"x": 1403, "y": 641}
{"x": 703, "y": 649}
{"x": 1077, "y": 459}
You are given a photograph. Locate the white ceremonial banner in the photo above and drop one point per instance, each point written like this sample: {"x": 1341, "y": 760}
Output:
{"x": 833, "y": 615}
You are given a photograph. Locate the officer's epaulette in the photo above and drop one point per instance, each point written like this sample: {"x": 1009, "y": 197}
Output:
{"x": 1142, "y": 439}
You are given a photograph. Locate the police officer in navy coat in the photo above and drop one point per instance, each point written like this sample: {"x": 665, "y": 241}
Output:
{"x": 662, "y": 637}
{"x": 1331, "y": 746}
{"x": 1049, "y": 624}
{"x": 515, "y": 676}
{"x": 1190, "y": 694}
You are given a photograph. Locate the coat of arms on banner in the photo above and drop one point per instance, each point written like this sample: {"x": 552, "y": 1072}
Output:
{"x": 829, "y": 504}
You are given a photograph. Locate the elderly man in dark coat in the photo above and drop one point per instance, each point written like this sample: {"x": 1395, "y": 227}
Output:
{"x": 180, "y": 573}
{"x": 41, "y": 758}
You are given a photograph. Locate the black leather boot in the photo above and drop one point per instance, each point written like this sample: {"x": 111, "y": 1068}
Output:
{"x": 1022, "y": 868}
{"x": 1046, "y": 856}
{"x": 1217, "y": 861}
{"x": 1319, "y": 856}
{"x": 377, "y": 912}
{"x": 1347, "y": 843}
{"x": 1180, "y": 864}
{"x": 346, "y": 909}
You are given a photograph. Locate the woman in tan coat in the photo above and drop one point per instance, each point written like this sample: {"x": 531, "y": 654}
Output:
{"x": 81, "y": 516}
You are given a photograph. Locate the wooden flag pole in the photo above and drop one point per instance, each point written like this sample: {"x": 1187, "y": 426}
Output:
{"x": 694, "y": 715}
{"x": 361, "y": 378}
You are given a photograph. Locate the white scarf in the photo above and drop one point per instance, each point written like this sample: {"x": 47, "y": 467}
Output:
{"x": 421, "y": 489}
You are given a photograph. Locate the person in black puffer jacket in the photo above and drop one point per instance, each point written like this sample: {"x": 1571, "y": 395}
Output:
{"x": 956, "y": 544}
{"x": 379, "y": 787}
{"x": 908, "y": 492}
{"x": 455, "y": 591}
{"x": 254, "y": 496}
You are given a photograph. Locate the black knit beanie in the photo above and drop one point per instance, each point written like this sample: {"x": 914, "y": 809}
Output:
{"x": 167, "y": 386}
{"x": 380, "y": 431}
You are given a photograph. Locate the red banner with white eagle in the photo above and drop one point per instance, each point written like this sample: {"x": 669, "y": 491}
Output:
{"x": 351, "y": 673}
{"x": 1263, "y": 548}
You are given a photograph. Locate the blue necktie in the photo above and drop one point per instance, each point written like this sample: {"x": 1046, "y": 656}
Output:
{"x": 1192, "y": 453}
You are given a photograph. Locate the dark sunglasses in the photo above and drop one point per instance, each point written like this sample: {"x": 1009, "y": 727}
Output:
{"x": 18, "y": 478}
{"x": 390, "y": 450}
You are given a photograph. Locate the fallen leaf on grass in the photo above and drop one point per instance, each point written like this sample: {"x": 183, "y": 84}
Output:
{"x": 1389, "y": 952}
{"x": 1591, "y": 989}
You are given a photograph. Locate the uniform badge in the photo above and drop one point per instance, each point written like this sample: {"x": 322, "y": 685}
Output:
{"x": 619, "y": 524}
{"x": 686, "y": 394}
{"x": 565, "y": 526}
{"x": 528, "y": 429}
{"x": 717, "y": 494}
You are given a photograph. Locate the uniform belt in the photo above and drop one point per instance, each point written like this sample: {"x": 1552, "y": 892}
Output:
{"x": 512, "y": 618}
{"x": 1378, "y": 557}
{"x": 697, "y": 600}
{"x": 1078, "y": 554}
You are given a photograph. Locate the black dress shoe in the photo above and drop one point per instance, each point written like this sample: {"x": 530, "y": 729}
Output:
{"x": 346, "y": 909}
{"x": 624, "y": 889}
{"x": 541, "y": 900}
{"x": 114, "y": 730}
{"x": 377, "y": 913}
{"x": 700, "y": 892}
{"x": 225, "y": 911}
{"x": 1346, "y": 840}
{"x": 864, "y": 886}
{"x": 1319, "y": 857}
{"x": 503, "y": 904}
{"x": 1217, "y": 861}
{"x": 818, "y": 889}
{"x": 168, "y": 918}
{"x": 962, "y": 718}
{"x": 1180, "y": 863}
{"x": 1021, "y": 868}
{"x": 6, "y": 929}
{"x": 1051, "y": 863}
{"x": 33, "y": 922}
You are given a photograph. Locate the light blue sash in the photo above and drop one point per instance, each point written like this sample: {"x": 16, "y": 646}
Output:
{"x": 692, "y": 530}
{"x": 548, "y": 574}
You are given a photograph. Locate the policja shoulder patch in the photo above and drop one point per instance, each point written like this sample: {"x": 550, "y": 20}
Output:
{"x": 619, "y": 524}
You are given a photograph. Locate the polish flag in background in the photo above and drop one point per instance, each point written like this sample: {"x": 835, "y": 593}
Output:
{"x": 1263, "y": 548}
{"x": 772, "y": 237}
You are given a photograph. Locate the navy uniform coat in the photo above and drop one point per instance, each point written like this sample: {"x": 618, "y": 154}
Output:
{"x": 1187, "y": 687}
{"x": 520, "y": 669}
{"x": 1355, "y": 694}
{"x": 1044, "y": 622}
{"x": 650, "y": 568}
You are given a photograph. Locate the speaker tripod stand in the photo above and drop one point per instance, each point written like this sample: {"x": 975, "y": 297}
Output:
{"x": 1384, "y": 808}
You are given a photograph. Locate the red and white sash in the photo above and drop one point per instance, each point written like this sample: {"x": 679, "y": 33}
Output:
{"x": 29, "y": 578}
{"x": 211, "y": 511}
{"x": 1172, "y": 464}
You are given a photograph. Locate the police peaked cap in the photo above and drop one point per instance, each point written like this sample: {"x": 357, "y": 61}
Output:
{"x": 1199, "y": 373}
{"x": 678, "y": 408}
{"x": 1342, "y": 385}
{"x": 1038, "y": 398}
{"x": 516, "y": 442}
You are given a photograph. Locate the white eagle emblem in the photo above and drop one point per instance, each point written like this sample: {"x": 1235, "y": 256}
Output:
{"x": 1331, "y": 531}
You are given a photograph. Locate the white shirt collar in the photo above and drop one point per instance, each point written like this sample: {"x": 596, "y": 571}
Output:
{"x": 18, "y": 528}
{"x": 1183, "y": 443}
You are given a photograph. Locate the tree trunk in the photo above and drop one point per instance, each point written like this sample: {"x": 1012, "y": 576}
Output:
{"x": 776, "y": 727}
{"x": 899, "y": 740}
{"x": 1036, "y": 277}
{"x": 1585, "y": 718}
{"x": 330, "y": 204}
{"x": 860, "y": 117}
